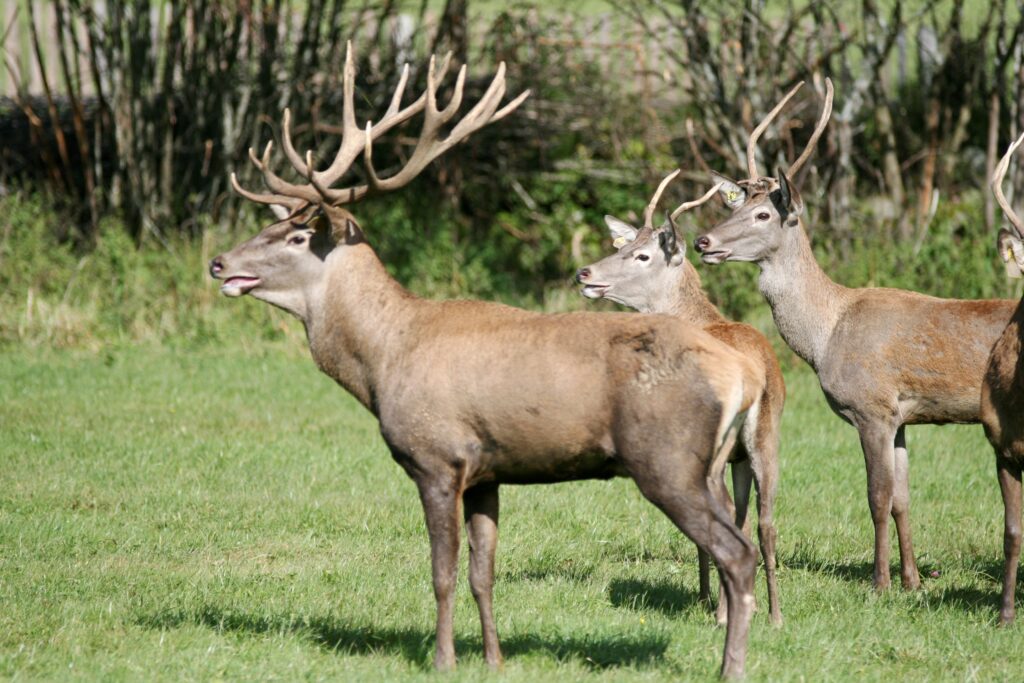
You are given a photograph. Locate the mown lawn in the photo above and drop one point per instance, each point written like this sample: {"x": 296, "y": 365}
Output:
{"x": 201, "y": 514}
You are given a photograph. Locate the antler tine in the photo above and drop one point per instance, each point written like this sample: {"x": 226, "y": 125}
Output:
{"x": 826, "y": 112}
{"x": 292, "y": 203}
{"x": 653, "y": 204}
{"x": 997, "y": 187}
{"x": 761, "y": 127}
{"x": 686, "y": 206}
{"x": 286, "y": 143}
{"x": 275, "y": 183}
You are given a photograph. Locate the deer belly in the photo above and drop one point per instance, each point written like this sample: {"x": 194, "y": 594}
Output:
{"x": 546, "y": 468}
{"x": 960, "y": 407}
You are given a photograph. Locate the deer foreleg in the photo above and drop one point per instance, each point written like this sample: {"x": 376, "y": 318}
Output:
{"x": 901, "y": 512}
{"x": 441, "y": 501}
{"x": 879, "y": 458}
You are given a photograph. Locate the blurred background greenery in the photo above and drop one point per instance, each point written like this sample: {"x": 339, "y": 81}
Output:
{"x": 121, "y": 120}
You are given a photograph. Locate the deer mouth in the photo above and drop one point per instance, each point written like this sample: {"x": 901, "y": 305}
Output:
{"x": 239, "y": 285}
{"x": 716, "y": 256}
{"x": 594, "y": 291}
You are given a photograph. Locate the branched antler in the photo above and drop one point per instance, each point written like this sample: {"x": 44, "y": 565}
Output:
{"x": 355, "y": 139}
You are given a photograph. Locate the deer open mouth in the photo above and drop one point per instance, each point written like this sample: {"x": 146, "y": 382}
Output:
{"x": 238, "y": 285}
{"x": 715, "y": 257}
{"x": 594, "y": 291}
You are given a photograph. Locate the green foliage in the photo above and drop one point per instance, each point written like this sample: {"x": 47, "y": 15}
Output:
{"x": 232, "y": 514}
{"x": 116, "y": 292}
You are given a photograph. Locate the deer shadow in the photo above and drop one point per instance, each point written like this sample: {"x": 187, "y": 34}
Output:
{"x": 415, "y": 644}
{"x": 856, "y": 572}
{"x": 960, "y": 597}
{"x": 661, "y": 596}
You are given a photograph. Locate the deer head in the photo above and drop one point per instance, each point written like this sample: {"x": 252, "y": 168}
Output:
{"x": 286, "y": 262}
{"x": 1010, "y": 242}
{"x": 764, "y": 208}
{"x": 649, "y": 260}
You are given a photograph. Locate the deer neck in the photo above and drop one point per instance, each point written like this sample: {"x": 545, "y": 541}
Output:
{"x": 686, "y": 298}
{"x": 806, "y": 304}
{"x": 355, "y": 321}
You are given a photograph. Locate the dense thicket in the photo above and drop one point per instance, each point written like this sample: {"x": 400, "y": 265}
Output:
{"x": 139, "y": 110}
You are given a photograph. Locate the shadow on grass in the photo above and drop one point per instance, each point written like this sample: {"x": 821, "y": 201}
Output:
{"x": 966, "y": 598}
{"x": 665, "y": 597}
{"x": 415, "y": 645}
{"x": 858, "y": 572}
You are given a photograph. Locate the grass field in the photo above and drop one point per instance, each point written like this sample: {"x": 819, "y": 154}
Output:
{"x": 204, "y": 514}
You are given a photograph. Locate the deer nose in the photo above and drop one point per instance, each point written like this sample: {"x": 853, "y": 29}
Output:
{"x": 702, "y": 243}
{"x": 216, "y": 266}
{"x": 582, "y": 274}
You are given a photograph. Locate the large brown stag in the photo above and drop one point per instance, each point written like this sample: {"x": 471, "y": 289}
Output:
{"x": 471, "y": 395}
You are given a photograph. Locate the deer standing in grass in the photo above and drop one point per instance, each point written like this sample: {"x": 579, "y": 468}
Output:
{"x": 1002, "y": 396}
{"x": 471, "y": 395}
{"x": 885, "y": 358}
{"x": 651, "y": 273}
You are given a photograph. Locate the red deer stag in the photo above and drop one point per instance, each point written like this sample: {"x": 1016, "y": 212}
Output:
{"x": 651, "y": 273}
{"x": 885, "y": 358}
{"x": 471, "y": 395}
{"x": 1002, "y": 396}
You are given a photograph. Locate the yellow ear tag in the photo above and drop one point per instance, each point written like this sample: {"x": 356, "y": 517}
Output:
{"x": 619, "y": 242}
{"x": 1012, "y": 261}
{"x": 732, "y": 195}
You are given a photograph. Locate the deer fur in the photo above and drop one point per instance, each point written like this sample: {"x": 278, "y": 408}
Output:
{"x": 1002, "y": 399}
{"x": 885, "y": 358}
{"x": 650, "y": 273}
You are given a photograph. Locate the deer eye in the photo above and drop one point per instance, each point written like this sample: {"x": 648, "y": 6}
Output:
{"x": 762, "y": 216}
{"x": 297, "y": 239}
{"x": 643, "y": 257}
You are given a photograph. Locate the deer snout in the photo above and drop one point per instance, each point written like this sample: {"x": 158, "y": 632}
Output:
{"x": 582, "y": 274}
{"x": 702, "y": 243}
{"x": 216, "y": 267}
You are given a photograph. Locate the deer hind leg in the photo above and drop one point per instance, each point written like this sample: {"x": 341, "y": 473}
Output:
{"x": 737, "y": 510}
{"x": 481, "y": 513}
{"x": 441, "y": 500}
{"x": 901, "y": 512}
{"x": 764, "y": 461}
{"x": 877, "y": 440}
{"x": 701, "y": 516}
{"x": 1010, "y": 487}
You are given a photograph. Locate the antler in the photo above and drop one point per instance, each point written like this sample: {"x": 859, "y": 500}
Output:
{"x": 826, "y": 112}
{"x": 686, "y": 206}
{"x": 354, "y": 140}
{"x": 761, "y": 127}
{"x": 997, "y": 187}
{"x": 653, "y": 204}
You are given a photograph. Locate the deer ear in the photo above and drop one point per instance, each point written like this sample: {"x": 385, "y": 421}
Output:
{"x": 281, "y": 212}
{"x": 668, "y": 239}
{"x": 790, "y": 196}
{"x": 733, "y": 196}
{"x": 622, "y": 232}
{"x": 1011, "y": 250}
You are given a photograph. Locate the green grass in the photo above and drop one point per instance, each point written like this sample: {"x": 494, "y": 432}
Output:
{"x": 201, "y": 514}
